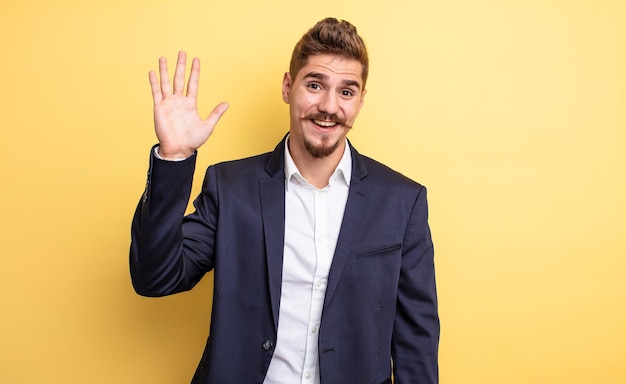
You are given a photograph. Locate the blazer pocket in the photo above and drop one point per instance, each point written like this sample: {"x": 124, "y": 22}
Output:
{"x": 378, "y": 250}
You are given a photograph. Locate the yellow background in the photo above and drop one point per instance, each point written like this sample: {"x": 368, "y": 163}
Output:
{"x": 512, "y": 113}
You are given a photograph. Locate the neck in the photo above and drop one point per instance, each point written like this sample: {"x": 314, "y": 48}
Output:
{"x": 317, "y": 171}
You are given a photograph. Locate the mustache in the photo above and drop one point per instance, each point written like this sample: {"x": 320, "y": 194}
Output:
{"x": 326, "y": 117}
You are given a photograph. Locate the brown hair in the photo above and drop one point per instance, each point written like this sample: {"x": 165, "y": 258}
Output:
{"x": 333, "y": 37}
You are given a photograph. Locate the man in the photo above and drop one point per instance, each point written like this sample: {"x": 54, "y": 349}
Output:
{"x": 322, "y": 257}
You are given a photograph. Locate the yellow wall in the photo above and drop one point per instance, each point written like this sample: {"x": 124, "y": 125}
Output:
{"x": 513, "y": 113}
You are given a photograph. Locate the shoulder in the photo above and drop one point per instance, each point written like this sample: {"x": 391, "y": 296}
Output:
{"x": 244, "y": 171}
{"x": 381, "y": 175}
{"x": 270, "y": 163}
{"x": 252, "y": 162}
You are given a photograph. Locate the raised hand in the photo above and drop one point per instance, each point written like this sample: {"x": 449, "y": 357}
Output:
{"x": 178, "y": 126}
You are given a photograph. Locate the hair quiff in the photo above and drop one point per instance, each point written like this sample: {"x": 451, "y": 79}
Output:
{"x": 330, "y": 37}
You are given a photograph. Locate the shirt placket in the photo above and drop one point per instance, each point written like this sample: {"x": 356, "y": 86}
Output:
{"x": 319, "y": 286}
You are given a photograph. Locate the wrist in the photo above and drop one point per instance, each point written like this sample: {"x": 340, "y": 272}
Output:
{"x": 177, "y": 156}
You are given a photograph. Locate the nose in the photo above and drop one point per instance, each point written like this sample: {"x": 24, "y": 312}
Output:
{"x": 329, "y": 103}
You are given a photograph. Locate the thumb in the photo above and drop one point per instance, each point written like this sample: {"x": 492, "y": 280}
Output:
{"x": 216, "y": 114}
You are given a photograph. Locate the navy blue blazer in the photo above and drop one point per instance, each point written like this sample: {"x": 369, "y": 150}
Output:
{"x": 380, "y": 309}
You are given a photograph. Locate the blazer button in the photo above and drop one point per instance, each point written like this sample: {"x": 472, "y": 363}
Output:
{"x": 267, "y": 345}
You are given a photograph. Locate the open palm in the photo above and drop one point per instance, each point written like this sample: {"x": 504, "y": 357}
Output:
{"x": 179, "y": 128}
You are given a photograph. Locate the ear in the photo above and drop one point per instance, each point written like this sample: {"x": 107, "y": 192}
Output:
{"x": 286, "y": 87}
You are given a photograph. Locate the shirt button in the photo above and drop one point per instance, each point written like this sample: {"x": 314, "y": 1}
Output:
{"x": 314, "y": 330}
{"x": 267, "y": 345}
{"x": 307, "y": 376}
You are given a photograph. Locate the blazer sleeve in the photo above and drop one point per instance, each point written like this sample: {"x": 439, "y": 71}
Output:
{"x": 169, "y": 252}
{"x": 416, "y": 330}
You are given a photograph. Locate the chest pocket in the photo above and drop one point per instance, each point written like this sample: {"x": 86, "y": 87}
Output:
{"x": 378, "y": 251}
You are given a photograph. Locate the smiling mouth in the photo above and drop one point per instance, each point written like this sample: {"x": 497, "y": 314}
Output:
{"x": 324, "y": 123}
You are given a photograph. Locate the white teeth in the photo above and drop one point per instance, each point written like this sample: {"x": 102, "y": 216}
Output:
{"x": 324, "y": 123}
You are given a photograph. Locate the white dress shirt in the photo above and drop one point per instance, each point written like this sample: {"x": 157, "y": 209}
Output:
{"x": 312, "y": 222}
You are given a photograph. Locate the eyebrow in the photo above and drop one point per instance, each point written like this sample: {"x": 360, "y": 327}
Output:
{"x": 321, "y": 76}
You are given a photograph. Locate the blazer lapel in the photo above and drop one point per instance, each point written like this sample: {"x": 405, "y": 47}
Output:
{"x": 272, "y": 192}
{"x": 352, "y": 217}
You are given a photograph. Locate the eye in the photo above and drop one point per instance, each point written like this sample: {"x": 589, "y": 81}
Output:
{"x": 314, "y": 86}
{"x": 347, "y": 93}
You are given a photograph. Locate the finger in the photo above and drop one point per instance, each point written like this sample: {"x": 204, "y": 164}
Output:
{"x": 166, "y": 88}
{"x": 194, "y": 78}
{"x": 154, "y": 85}
{"x": 216, "y": 114}
{"x": 179, "y": 75}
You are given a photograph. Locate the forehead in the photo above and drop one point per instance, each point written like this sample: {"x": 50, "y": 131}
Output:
{"x": 332, "y": 68}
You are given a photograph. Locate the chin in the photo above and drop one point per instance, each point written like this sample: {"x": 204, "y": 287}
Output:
{"x": 322, "y": 150}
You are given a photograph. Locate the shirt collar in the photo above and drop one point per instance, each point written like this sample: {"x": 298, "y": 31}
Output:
{"x": 343, "y": 172}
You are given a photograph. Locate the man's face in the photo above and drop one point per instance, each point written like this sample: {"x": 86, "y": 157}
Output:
{"x": 324, "y": 100}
